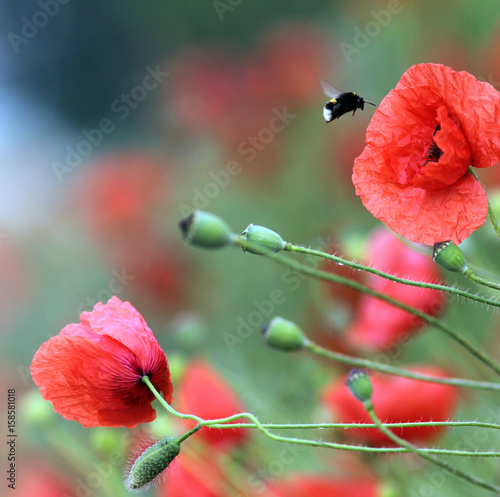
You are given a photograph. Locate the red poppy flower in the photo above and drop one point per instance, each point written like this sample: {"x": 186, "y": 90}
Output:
{"x": 413, "y": 173}
{"x": 396, "y": 400}
{"x": 91, "y": 371}
{"x": 379, "y": 325}
{"x": 307, "y": 485}
{"x": 204, "y": 393}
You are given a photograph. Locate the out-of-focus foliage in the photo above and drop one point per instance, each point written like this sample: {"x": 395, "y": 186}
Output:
{"x": 119, "y": 118}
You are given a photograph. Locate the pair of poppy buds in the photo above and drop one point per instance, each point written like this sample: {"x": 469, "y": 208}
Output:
{"x": 206, "y": 230}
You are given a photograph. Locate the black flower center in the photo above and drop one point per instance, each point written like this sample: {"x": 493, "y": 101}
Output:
{"x": 435, "y": 152}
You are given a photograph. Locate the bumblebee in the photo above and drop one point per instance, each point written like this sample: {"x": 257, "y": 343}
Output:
{"x": 340, "y": 103}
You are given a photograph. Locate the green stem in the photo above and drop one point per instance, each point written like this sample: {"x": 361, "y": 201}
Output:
{"x": 167, "y": 406}
{"x": 316, "y": 273}
{"x": 426, "y": 455}
{"x": 384, "y": 368}
{"x": 80, "y": 458}
{"x": 188, "y": 433}
{"x": 390, "y": 277}
{"x": 491, "y": 213}
{"x": 481, "y": 281}
{"x": 226, "y": 423}
{"x": 323, "y": 426}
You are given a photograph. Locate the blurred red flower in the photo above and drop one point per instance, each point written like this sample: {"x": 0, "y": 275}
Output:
{"x": 206, "y": 394}
{"x": 316, "y": 485}
{"x": 120, "y": 192}
{"x": 158, "y": 273}
{"x": 379, "y": 325}
{"x": 204, "y": 87}
{"x": 294, "y": 59}
{"x": 247, "y": 100}
{"x": 91, "y": 371}
{"x": 413, "y": 173}
{"x": 195, "y": 476}
{"x": 396, "y": 400}
{"x": 43, "y": 482}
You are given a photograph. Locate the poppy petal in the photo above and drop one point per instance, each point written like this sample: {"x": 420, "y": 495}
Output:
{"x": 95, "y": 378}
{"x": 475, "y": 104}
{"x": 421, "y": 216}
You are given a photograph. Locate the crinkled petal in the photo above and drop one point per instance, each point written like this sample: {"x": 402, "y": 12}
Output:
{"x": 123, "y": 322}
{"x": 422, "y": 216}
{"x": 455, "y": 159}
{"x": 475, "y": 104}
{"x": 86, "y": 383}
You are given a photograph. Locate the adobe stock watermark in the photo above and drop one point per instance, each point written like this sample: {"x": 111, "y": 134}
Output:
{"x": 103, "y": 470}
{"x": 31, "y": 27}
{"x": 264, "y": 310}
{"x": 363, "y": 37}
{"x": 116, "y": 284}
{"x": 223, "y": 6}
{"x": 435, "y": 479}
{"x": 288, "y": 455}
{"x": 120, "y": 109}
{"x": 491, "y": 80}
{"x": 248, "y": 148}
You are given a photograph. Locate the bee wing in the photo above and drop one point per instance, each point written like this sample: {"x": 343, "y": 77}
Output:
{"x": 330, "y": 90}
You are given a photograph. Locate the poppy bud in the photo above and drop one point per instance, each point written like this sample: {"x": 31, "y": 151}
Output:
{"x": 36, "y": 411}
{"x": 105, "y": 441}
{"x": 360, "y": 385}
{"x": 259, "y": 235}
{"x": 153, "y": 461}
{"x": 285, "y": 335}
{"x": 206, "y": 230}
{"x": 449, "y": 256}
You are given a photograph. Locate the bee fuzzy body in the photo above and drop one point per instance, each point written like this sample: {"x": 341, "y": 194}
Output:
{"x": 341, "y": 103}
{"x": 344, "y": 103}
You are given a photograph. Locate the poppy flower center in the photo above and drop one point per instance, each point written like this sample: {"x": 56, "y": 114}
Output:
{"x": 448, "y": 157}
{"x": 435, "y": 152}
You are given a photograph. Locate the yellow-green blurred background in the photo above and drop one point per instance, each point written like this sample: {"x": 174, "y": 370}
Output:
{"x": 159, "y": 100}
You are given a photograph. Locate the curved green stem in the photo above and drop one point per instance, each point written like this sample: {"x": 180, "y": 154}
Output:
{"x": 167, "y": 406}
{"x": 316, "y": 273}
{"x": 227, "y": 423}
{"x": 481, "y": 281}
{"x": 343, "y": 426}
{"x": 384, "y": 368}
{"x": 390, "y": 277}
{"x": 426, "y": 455}
{"x": 491, "y": 212}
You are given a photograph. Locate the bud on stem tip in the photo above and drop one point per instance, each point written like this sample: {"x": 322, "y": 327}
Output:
{"x": 360, "y": 385}
{"x": 152, "y": 462}
{"x": 449, "y": 256}
{"x": 285, "y": 335}
{"x": 259, "y": 235}
{"x": 202, "y": 229}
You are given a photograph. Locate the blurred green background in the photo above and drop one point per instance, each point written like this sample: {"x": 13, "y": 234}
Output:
{"x": 99, "y": 162}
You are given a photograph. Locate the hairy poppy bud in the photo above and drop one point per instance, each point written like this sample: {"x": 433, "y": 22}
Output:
{"x": 449, "y": 256}
{"x": 153, "y": 461}
{"x": 285, "y": 335}
{"x": 259, "y": 235}
{"x": 206, "y": 230}
{"x": 360, "y": 385}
